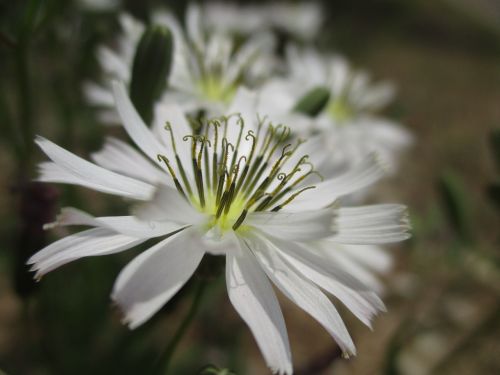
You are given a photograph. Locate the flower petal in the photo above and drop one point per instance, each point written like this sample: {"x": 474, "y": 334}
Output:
{"x": 374, "y": 224}
{"x": 367, "y": 277}
{"x": 74, "y": 170}
{"x": 134, "y": 125}
{"x": 120, "y": 157}
{"x": 167, "y": 204}
{"x": 327, "y": 192}
{"x": 317, "y": 261}
{"x": 302, "y": 292}
{"x": 303, "y": 226}
{"x": 92, "y": 242}
{"x": 253, "y": 297}
{"x": 371, "y": 256}
{"x": 363, "y": 303}
{"x": 155, "y": 276}
{"x": 127, "y": 225}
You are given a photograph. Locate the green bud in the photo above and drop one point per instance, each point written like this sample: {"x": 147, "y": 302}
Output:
{"x": 313, "y": 102}
{"x": 150, "y": 69}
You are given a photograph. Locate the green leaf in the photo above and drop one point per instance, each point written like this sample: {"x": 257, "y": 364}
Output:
{"x": 495, "y": 146}
{"x": 455, "y": 202}
{"x": 150, "y": 69}
{"x": 313, "y": 102}
{"x": 31, "y": 19}
{"x": 494, "y": 194}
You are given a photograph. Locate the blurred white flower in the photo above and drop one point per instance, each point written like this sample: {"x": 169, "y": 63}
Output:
{"x": 349, "y": 124}
{"x": 301, "y": 20}
{"x": 209, "y": 66}
{"x": 235, "y": 190}
{"x": 206, "y": 71}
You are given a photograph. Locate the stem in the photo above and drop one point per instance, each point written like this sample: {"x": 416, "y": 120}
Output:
{"x": 24, "y": 101}
{"x": 25, "y": 94}
{"x": 172, "y": 345}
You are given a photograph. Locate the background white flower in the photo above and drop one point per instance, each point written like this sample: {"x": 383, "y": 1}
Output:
{"x": 206, "y": 71}
{"x": 209, "y": 65}
{"x": 349, "y": 123}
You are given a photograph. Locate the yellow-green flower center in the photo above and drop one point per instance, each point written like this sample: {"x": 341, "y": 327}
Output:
{"x": 213, "y": 88}
{"x": 340, "y": 110}
{"x": 258, "y": 172}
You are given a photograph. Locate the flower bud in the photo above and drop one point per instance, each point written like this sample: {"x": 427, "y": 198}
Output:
{"x": 150, "y": 69}
{"x": 313, "y": 102}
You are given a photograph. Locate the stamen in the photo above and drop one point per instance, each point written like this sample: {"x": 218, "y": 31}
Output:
{"x": 215, "y": 160}
{"x": 172, "y": 173}
{"x": 168, "y": 127}
{"x": 198, "y": 176}
{"x": 250, "y": 135}
{"x": 240, "y": 219}
{"x": 235, "y": 184}
{"x": 241, "y": 123}
{"x": 291, "y": 198}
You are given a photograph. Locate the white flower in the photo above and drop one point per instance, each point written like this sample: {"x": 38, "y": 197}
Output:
{"x": 206, "y": 71}
{"x": 235, "y": 190}
{"x": 349, "y": 123}
{"x": 301, "y": 20}
{"x": 209, "y": 67}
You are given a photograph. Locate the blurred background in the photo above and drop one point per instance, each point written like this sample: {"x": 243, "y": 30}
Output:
{"x": 443, "y": 294}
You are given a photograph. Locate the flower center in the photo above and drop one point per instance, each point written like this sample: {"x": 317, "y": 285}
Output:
{"x": 340, "y": 110}
{"x": 232, "y": 174}
{"x": 213, "y": 88}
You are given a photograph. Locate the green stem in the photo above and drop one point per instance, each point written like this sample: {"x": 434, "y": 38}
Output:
{"x": 172, "y": 345}
{"x": 25, "y": 104}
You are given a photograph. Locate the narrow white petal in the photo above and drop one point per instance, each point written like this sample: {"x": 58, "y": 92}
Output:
{"x": 327, "y": 192}
{"x": 167, "y": 204}
{"x": 120, "y": 157}
{"x": 113, "y": 64}
{"x": 88, "y": 174}
{"x": 253, "y": 298}
{"x": 92, "y": 242}
{"x": 193, "y": 25}
{"x": 134, "y": 125}
{"x": 371, "y": 256}
{"x": 247, "y": 54}
{"x": 318, "y": 261}
{"x": 364, "y": 304}
{"x": 374, "y": 224}
{"x": 302, "y": 292}
{"x": 352, "y": 267}
{"x": 301, "y": 226}
{"x": 98, "y": 95}
{"x": 155, "y": 276}
{"x": 127, "y": 225}
{"x": 48, "y": 171}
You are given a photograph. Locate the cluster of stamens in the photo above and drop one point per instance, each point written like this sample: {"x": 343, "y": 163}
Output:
{"x": 231, "y": 180}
